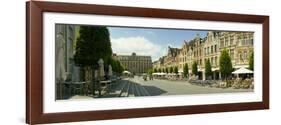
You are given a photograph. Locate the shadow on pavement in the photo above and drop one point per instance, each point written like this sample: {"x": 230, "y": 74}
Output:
{"x": 134, "y": 89}
{"x": 154, "y": 91}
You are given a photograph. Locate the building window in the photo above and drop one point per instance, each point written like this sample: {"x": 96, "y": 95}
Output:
{"x": 251, "y": 41}
{"x": 215, "y": 60}
{"x": 215, "y": 48}
{"x": 226, "y": 41}
{"x": 245, "y": 55}
{"x": 231, "y": 40}
{"x": 242, "y": 42}
{"x": 205, "y": 51}
{"x": 232, "y": 53}
{"x": 221, "y": 43}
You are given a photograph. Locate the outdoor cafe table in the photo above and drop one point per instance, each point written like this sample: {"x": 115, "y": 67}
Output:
{"x": 72, "y": 86}
{"x": 105, "y": 83}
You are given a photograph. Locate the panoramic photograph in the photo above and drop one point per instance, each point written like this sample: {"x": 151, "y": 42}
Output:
{"x": 93, "y": 62}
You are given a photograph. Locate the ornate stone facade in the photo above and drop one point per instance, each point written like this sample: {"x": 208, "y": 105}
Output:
{"x": 238, "y": 44}
{"x": 136, "y": 64}
{"x": 64, "y": 49}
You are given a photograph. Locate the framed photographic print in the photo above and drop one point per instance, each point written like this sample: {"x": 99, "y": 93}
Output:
{"x": 95, "y": 62}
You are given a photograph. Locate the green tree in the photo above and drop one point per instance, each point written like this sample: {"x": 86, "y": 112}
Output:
{"x": 119, "y": 68}
{"x": 176, "y": 70}
{"x": 171, "y": 69}
{"x": 114, "y": 65}
{"x": 166, "y": 70}
{"x": 208, "y": 69}
{"x": 150, "y": 71}
{"x": 154, "y": 70}
{"x": 225, "y": 64}
{"x": 194, "y": 68}
{"x": 92, "y": 44}
{"x": 251, "y": 62}
{"x": 185, "y": 70}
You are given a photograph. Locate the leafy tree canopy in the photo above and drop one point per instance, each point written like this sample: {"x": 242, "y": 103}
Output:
{"x": 194, "y": 68}
{"x": 176, "y": 70}
{"x": 154, "y": 70}
{"x": 251, "y": 62}
{"x": 92, "y": 44}
{"x": 208, "y": 68}
{"x": 166, "y": 70}
{"x": 171, "y": 70}
{"x": 225, "y": 64}
{"x": 185, "y": 70}
{"x": 150, "y": 71}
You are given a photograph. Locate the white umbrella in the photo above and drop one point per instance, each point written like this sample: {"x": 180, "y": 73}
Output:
{"x": 243, "y": 71}
{"x": 126, "y": 72}
{"x": 110, "y": 70}
{"x": 101, "y": 68}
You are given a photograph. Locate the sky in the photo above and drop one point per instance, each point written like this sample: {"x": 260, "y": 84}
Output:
{"x": 148, "y": 41}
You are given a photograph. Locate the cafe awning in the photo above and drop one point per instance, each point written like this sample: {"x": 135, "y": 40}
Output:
{"x": 243, "y": 71}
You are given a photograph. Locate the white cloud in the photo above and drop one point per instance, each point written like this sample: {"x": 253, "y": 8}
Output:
{"x": 140, "y": 45}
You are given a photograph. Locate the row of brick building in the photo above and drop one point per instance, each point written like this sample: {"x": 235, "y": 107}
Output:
{"x": 238, "y": 44}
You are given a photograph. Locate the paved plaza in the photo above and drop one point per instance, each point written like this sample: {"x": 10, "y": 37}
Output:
{"x": 136, "y": 86}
